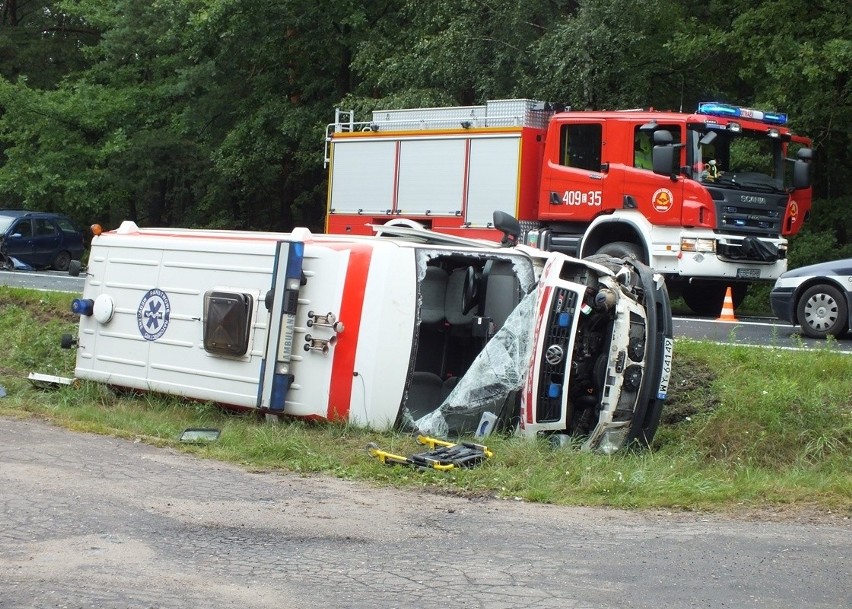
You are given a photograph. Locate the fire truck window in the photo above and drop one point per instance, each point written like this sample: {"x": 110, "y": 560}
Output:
{"x": 642, "y": 148}
{"x": 580, "y": 146}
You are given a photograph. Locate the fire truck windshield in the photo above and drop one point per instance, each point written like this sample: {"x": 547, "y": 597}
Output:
{"x": 746, "y": 159}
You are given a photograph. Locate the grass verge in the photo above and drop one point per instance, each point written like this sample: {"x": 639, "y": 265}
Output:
{"x": 743, "y": 428}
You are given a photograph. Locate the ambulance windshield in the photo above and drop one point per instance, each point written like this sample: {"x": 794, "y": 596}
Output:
{"x": 491, "y": 383}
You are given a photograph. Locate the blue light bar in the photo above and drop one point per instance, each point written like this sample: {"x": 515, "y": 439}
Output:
{"x": 717, "y": 109}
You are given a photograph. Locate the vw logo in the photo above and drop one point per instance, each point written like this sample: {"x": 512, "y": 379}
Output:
{"x": 554, "y": 355}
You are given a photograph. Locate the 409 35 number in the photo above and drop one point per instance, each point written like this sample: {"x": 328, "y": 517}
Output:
{"x": 592, "y": 198}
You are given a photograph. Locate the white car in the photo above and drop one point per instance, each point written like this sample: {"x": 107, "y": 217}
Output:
{"x": 817, "y": 297}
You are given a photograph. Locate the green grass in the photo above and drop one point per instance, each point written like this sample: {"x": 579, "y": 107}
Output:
{"x": 743, "y": 428}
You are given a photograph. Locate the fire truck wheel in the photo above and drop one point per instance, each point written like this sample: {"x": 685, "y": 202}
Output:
{"x": 622, "y": 249}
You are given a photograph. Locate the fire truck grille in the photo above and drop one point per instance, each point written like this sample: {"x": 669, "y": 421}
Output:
{"x": 759, "y": 215}
{"x": 555, "y": 359}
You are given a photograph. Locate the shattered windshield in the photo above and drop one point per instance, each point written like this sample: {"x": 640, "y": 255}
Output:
{"x": 492, "y": 381}
{"x": 746, "y": 159}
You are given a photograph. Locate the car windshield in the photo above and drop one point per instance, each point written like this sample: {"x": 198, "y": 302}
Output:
{"x": 5, "y": 223}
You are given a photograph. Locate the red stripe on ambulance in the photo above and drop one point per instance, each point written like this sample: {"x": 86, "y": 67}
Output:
{"x": 351, "y": 309}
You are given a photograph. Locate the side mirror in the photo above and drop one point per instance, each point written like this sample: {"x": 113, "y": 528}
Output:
{"x": 509, "y": 226}
{"x": 801, "y": 174}
{"x": 663, "y": 158}
{"x": 662, "y": 137}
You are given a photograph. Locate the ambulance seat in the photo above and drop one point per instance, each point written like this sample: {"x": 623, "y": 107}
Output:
{"x": 502, "y": 291}
{"x": 425, "y": 393}
{"x": 433, "y": 290}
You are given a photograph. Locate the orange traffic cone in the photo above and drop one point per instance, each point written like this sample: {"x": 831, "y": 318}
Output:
{"x": 727, "y": 307}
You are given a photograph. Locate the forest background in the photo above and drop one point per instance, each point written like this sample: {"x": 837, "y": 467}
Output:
{"x": 212, "y": 112}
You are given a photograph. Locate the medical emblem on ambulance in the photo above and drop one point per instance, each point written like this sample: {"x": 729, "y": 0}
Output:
{"x": 153, "y": 313}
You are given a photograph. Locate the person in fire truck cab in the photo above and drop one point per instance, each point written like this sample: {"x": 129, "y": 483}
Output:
{"x": 642, "y": 155}
{"x": 710, "y": 172}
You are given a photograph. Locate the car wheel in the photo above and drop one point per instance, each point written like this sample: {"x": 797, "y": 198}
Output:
{"x": 61, "y": 261}
{"x": 822, "y": 311}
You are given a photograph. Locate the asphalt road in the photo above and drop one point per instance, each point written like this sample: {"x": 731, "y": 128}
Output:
{"x": 93, "y": 521}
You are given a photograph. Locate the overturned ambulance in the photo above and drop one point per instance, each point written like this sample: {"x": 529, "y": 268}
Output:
{"x": 408, "y": 328}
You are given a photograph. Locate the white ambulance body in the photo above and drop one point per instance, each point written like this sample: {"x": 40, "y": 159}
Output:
{"x": 378, "y": 331}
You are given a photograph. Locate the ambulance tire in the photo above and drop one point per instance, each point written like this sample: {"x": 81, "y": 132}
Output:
{"x": 622, "y": 249}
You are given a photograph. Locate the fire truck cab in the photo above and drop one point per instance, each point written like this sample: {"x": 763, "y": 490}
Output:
{"x": 707, "y": 198}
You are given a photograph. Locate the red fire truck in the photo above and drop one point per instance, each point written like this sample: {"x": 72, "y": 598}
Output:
{"x": 707, "y": 199}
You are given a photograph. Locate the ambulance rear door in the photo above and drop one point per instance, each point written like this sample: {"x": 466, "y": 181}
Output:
{"x": 276, "y": 376}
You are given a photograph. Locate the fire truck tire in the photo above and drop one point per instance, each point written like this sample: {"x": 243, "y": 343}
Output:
{"x": 706, "y": 297}
{"x": 622, "y": 249}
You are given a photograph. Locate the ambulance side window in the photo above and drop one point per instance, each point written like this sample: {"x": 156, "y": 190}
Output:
{"x": 580, "y": 146}
{"x": 227, "y": 322}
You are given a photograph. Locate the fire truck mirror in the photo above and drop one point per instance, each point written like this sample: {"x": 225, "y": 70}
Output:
{"x": 662, "y": 137}
{"x": 663, "y": 158}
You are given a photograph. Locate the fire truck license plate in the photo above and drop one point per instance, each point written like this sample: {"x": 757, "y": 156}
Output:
{"x": 748, "y": 273}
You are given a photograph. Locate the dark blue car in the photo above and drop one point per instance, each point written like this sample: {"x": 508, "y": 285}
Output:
{"x": 816, "y": 297}
{"x": 40, "y": 239}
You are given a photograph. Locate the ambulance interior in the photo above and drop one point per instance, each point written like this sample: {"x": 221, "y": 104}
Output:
{"x": 465, "y": 301}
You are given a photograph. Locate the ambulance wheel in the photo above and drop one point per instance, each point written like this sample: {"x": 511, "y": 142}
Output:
{"x": 75, "y": 267}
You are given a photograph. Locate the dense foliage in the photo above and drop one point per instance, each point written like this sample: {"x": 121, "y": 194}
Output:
{"x": 212, "y": 112}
